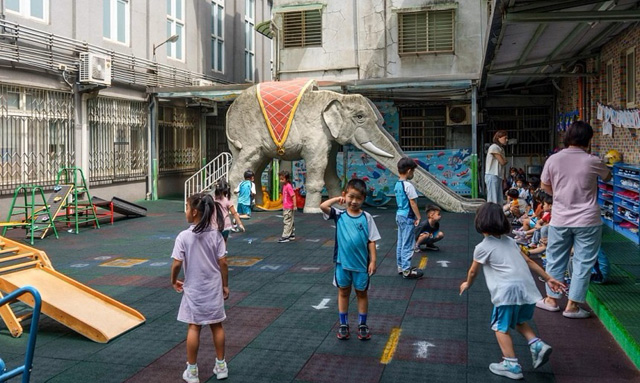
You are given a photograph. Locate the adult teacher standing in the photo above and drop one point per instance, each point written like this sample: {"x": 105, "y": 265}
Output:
{"x": 494, "y": 167}
{"x": 571, "y": 177}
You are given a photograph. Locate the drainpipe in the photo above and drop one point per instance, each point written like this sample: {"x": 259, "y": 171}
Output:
{"x": 276, "y": 51}
{"x": 474, "y": 141}
{"x": 355, "y": 36}
{"x": 80, "y": 99}
{"x": 152, "y": 129}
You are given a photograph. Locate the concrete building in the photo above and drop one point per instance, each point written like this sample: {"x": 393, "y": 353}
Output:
{"x": 74, "y": 77}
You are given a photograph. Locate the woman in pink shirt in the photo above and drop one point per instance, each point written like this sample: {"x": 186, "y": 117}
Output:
{"x": 571, "y": 177}
{"x": 288, "y": 204}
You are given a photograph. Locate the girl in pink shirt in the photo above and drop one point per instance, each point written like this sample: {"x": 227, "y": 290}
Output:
{"x": 288, "y": 204}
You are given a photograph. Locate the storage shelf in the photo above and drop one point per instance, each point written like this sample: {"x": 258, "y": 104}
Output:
{"x": 626, "y": 219}
{"x": 620, "y": 201}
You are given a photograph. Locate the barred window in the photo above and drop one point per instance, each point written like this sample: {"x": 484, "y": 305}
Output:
{"x": 531, "y": 126}
{"x": 179, "y": 141}
{"x": 422, "y": 128}
{"x": 426, "y": 32}
{"x": 118, "y": 139}
{"x": 302, "y": 29}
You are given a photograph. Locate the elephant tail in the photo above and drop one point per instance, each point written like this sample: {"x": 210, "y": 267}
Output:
{"x": 237, "y": 144}
{"x": 231, "y": 113}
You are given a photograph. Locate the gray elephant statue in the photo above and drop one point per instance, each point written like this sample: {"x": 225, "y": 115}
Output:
{"x": 322, "y": 122}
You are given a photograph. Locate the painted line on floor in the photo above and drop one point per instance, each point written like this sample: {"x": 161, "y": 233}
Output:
{"x": 423, "y": 262}
{"x": 390, "y": 347}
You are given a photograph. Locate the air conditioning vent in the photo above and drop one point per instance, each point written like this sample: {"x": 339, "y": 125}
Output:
{"x": 95, "y": 69}
{"x": 459, "y": 115}
{"x": 201, "y": 82}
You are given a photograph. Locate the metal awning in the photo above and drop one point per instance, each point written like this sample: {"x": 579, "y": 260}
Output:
{"x": 533, "y": 41}
{"x": 264, "y": 28}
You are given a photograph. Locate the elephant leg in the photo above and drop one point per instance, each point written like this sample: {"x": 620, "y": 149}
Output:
{"x": 258, "y": 181}
{"x": 331, "y": 180}
{"x": 245, "y": 159}
{"x": 316, "y": 166}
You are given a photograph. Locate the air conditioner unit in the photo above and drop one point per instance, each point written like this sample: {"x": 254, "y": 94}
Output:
{"x": 459, "y": 115}
{"x": 95, "y": 69}
{"x": 200, "y": 82}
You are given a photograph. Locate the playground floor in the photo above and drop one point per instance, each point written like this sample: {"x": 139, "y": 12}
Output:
{"x": 282, "y": 312}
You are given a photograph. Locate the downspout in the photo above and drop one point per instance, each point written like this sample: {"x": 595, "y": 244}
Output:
{"x": 276, "y": 51}
{"x": 474, "y": 141}
{"x": 384, "y": 52}
{"x": 355, "y": 36}
{"x": 152, "y": 129}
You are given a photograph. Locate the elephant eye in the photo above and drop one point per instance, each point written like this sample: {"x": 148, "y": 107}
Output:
{"x": 359, "y": 117}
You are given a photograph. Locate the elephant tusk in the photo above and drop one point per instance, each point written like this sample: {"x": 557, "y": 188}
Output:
{"x": 371, "y": 148}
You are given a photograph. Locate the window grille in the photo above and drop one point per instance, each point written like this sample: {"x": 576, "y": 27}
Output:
{"x": 302, "y": 29}
{"x": 532, "y": 127}
{"x": 216, "y": 136}
{"x": 118, "y": 139}
{"x": 179, "y": 141}
{"x": 36, "y": 136}
{"x": 426, "y": 32}
{"x": 422, "y": 128}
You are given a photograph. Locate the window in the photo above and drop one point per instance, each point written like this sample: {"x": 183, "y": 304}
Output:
{"x": 302, "y": 29}
{"x": 630, "y": 77}
{"x": 34, "y": 9}
{"x": 217, "y": 35}
{"x": 426, "y": 32}
{"x": 175, "y": 26}
{"x": 422, "y": 128}
{"x": 609, "y": 81}
{"x": 115, "y": 20}
{"x": 249, "y": 40}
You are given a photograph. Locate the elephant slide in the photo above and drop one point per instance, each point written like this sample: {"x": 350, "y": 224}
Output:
{"x": 319, "y": 122}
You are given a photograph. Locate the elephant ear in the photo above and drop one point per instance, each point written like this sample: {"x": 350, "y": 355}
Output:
{"x": 332, "y": 117}
{"x": 375, "y": 111}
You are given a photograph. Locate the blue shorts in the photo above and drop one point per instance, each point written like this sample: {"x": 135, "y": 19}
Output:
{"x": 507, "y": 316}
{"x": 532, "y": 222}
{"x": 244, "y": 209}
{"x": 347, "y": 278}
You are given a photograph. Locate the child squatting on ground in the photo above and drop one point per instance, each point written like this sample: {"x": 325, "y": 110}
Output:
{"x": 428, "y": 233}
{"x": 407, "y": 218}
{"x": 288, "y": 206}
{"x": 246, "y": 190}
{"x": 354, "y": 253}
{"x": 200, "y": 252}
{"x": 513, "y": 290}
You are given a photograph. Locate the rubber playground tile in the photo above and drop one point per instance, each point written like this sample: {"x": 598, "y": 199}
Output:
{"x": 235, "y": 297}
{"x": 428, "y": 295}
{"x": 353, "y": 346}
{"x": 481, "y": 354}
{"x": 401, "y": 371}
{"x": 147, "y": 350}
{"x": 419, "y": 327}
{"x": 439, "y": 283}
{"x": 321, "y": 320}
{"x": 334, "y": 368}
{"x": 43, "y": 368}
{"x": 246, "y": 286}
{"x": 285, "y": 288}
{"x": 267, "y": 364}
{"x": 95, "y": 372}
{"x": 394, "y": 280}
{"x": 289, "y": 339}
{"x": 122, "y": 280}
{"x": 302, "y": 278}
{"x": 311, "y": 268}
{"x": 387, "y": 307}
{"x": 252, "y": 316}
{"x": 598, "y": 362}
{"x": 164, "y": 328}
{"x": 482, "y": 374}
{"x": 435, "y": 272}
{"x": 260, "y": 299}
{"x": 391, "y": 292}
{"x": 75, "y": 346}
{"x": 437, "y": 310}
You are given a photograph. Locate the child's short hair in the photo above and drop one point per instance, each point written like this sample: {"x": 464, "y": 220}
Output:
{"x": 512, "y": 169}
{"x": 358, "y": 185}
{"x": 534, "y": 182}
{"x": 248, "y": 175}
{"x": 431, "y": 208}
{"x": 490, "y": 219}
{"x": 539, "y": 195}
{"x": 284, "y": 174}
{"x": 521, "y": 177}
{"x": 579, "y": 133}
{"x": 513, "y": 193}
{"x": 222, "y": 189}
{"x": 547, "y": 199}
{"x": 405, "y": 164}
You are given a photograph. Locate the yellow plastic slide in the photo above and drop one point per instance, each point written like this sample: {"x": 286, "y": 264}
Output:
{"x": 77, "y": 306}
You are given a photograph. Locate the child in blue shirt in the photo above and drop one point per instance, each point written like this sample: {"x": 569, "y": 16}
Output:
{"x": 245, "y": 191}
{"x": 407, "y": 218}
{"x": 354, "y": 253}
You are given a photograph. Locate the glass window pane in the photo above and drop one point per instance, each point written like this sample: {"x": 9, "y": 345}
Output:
{"x": 220, "y": 55}
{"x": 220, "y": 15}
{"x": 213, "y": 53}
{"x": 13, "y": 5}
{"x": 169, "y": 34}
{"x": 13, "y": 100}
{"x": 169, "y": 7}
{"x": 106, "y": 18}
{"x": 179, "y": 42}
{"x": 121, "y": 9}
{"x": 37, "y": 9}
{"x": 213, "y": 19}
{"x": 179, "y": 9}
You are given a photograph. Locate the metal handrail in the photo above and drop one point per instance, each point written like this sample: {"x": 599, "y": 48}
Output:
{"x": 37, "y": 48}
{"x": 203, "y": 179}
{"x": 26, "y": 368}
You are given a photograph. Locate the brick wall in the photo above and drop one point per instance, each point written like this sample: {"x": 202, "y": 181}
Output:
{"x": 626, "y": 141}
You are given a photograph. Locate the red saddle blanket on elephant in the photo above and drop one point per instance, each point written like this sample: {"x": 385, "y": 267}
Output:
{"x": 278, "y": 101}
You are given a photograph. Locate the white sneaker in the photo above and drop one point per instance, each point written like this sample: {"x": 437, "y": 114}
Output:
{"x": 190, "y": 375}
{"x": 221, "y": 370}
{"x": 507, "y": 369}
{"x": 540, "y": 352}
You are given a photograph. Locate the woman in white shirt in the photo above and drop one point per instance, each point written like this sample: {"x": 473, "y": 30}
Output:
{"x": 494, "y": 167}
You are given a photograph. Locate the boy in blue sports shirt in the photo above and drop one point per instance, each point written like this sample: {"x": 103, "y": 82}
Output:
{"x": 407, "y": 218}
{"x": 354, "y": 253}
{"x": 245, "y": 191}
